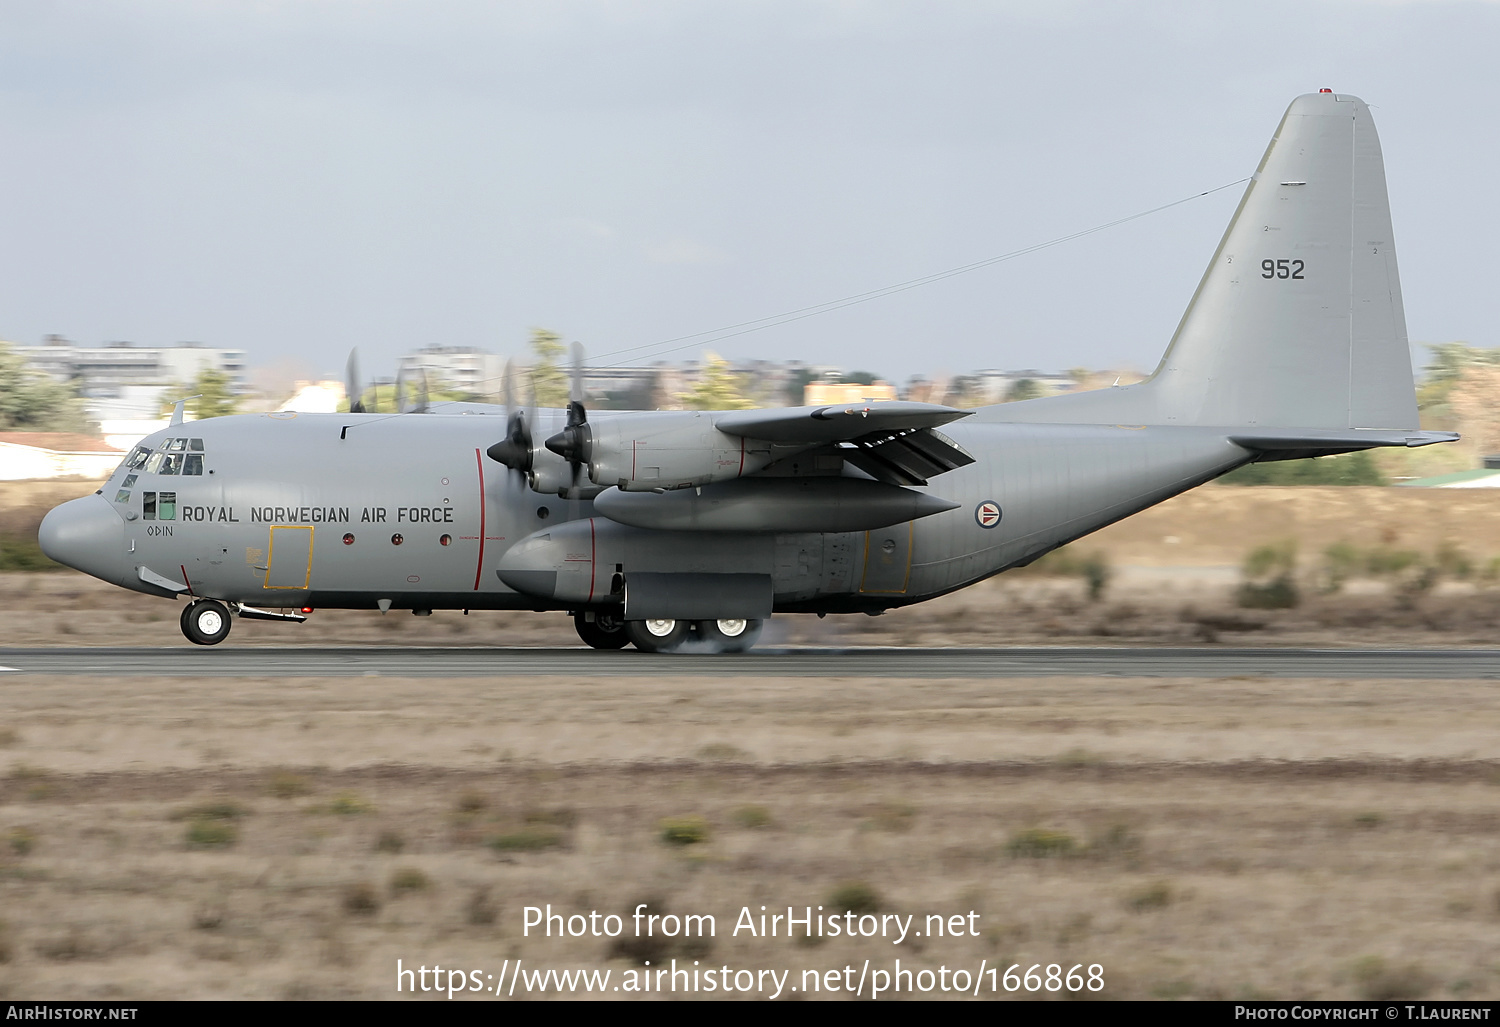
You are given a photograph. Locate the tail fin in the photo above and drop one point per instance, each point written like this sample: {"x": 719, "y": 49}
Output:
{"x": 1298, "y": 320}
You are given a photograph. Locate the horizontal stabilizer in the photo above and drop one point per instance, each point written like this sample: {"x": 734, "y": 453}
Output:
{"x": 1295, "y": 444}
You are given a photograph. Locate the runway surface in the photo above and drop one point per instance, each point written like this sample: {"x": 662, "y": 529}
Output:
{"x": 371, "y": 661}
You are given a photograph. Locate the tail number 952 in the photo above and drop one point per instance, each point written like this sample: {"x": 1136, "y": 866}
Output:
{"x": 1281, "y": 269}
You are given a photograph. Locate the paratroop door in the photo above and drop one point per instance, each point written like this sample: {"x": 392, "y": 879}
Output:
{"x": 290, "y": 562}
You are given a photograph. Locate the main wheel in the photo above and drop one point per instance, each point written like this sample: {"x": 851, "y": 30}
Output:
{"x": 730, "y": 636}
{"x": 656, "y": 636}
{"x": 205, "y": 622}
{"x": 605, "y": 631}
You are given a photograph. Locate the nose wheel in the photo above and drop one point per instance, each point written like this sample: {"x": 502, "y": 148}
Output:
{"x": 205, "y": 622}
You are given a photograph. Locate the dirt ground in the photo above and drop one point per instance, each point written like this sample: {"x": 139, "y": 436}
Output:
{"x": 292, "y": 838}
{"x": 1226, "y": 838}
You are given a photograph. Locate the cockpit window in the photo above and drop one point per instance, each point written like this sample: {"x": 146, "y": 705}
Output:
{"x": 158, "y": 506}
{"x": 173, "y": 456}
{"x": 137, "y": 458}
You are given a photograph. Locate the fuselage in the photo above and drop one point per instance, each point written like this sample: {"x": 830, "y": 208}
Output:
{"x": 407, "y": 512}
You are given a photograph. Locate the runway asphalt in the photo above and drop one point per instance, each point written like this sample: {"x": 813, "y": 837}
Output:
{"x": 372, "y": 661}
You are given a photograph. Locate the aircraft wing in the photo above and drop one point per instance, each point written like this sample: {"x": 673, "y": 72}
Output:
{"x": 893, "y": 442}
{"x": 839, "y": 423}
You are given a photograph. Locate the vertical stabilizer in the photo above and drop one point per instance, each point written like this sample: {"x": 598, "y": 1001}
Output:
{"x": 1298, "y": 320}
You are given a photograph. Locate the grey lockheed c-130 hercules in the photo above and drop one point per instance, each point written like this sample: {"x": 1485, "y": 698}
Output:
{"x": 678, "y": 524}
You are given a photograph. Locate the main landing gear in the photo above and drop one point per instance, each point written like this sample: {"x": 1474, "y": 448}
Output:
{"x": 205, "y": 622}
{"x": 713, "y": 636}
{"x": 601, "y": 630}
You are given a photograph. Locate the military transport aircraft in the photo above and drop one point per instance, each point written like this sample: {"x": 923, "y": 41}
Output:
{"x": 655, "y": 527}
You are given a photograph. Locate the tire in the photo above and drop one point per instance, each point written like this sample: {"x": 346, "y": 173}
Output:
{"x": 657, "y": 636}
{"x": 205, "y": 622}
{"x": 605, "y": 631}
{"x": 730, "y": 636}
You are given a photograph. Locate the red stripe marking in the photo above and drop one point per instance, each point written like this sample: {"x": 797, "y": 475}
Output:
{"x": 742, "y": 456}
{"x": 633, "y": 444}
{"x": 593, "y": 555}
{"x": 185, "y": 580}
{"x": 479, "y": 569}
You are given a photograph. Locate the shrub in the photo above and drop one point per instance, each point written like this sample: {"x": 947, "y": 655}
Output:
{"x": 208, "y": 833}
{"x": 361, "y": 899}
{"x": 389, "y": 842}
{"x": 408, "y": 879}
{"x": 1038, "y": 843}
{"x": 684, "y": 830}
{"x": 752, "y": 816}
{"x": 1270, "y": 578}
{"x": 481, "y": 910}
{"x": 218, "y": 809}
{"x": 855, "y": 897}
{"x": 22, "y": 841}
{"x": 533, "y": 838}
{"x": 1156, "y": 895}
{"x": 1379, "y": 982}
{"x": 286, "y": 785}
{"x": 471, "y": 803}
{"x": 348, "y": 804}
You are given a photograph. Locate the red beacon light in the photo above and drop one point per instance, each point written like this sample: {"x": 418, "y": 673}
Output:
{"x": 307, "y": 609}
{"x": 1325, "y": 90}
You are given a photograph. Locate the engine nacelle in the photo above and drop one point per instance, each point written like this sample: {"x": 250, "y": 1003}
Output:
{"x": 551, "y": 475}
{"x": 671, "y": 450}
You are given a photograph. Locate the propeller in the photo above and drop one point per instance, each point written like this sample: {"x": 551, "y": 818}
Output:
{"x": 574, "y": 442}
{"x": 514, "y": 451}
{"x": 352, "y": 385}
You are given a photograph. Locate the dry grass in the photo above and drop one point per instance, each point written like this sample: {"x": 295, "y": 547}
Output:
{"x": 1226, "y": 838}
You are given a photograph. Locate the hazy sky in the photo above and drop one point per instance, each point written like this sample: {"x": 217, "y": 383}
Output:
{"x": 296, "y": 178}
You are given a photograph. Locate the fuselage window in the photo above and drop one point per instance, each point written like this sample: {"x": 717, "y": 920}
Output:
{"x": 129, "y": 482}
{"x": 123, "y": 496}
{"x": 148, "y": 506}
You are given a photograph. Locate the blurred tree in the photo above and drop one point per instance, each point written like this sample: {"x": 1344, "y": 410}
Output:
{"x": 549, "y": 377}
{"x": 1450, "y": 362}
{"x": 796, "y": 386}
{"x": 215, "y": 397}
{"x": 718, "y": 388}
{"x": 31, "y": 401}
{"x": 1023, "y": 388}
{"x": 1347, "y": 469}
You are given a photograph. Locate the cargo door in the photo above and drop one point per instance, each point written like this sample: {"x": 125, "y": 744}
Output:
{"x": 290, "y": 561}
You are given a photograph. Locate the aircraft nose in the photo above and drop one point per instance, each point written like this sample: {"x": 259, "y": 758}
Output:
{"x": 87, "y": 535}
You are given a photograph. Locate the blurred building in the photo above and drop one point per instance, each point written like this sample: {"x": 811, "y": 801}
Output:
{"x": 120, "y": 381}
{"x": 27, "y": 455}
{"x": 831, "y": 393}
{"x": 465, "y": 369}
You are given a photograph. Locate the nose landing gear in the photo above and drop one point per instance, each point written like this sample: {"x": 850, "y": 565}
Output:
{"x": 205, "y": 622}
